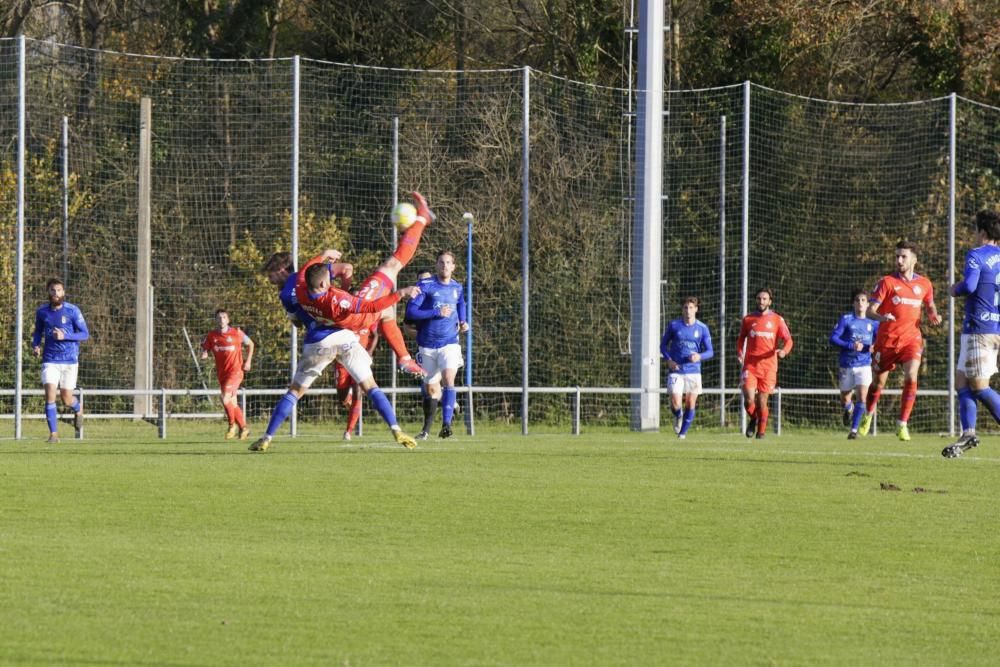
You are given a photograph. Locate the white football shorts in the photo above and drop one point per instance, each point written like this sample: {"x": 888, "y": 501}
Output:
{"x": 858, "y": 376}
{"x": 436, "y": 359}
{"x": 977, "y": 356}
{"x": 342, "y": 346}
{"x": 684, "y": 383}
{"x": 62, "y": 376}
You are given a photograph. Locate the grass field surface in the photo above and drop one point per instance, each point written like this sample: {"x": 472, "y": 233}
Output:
{"x": 610, "y": 548}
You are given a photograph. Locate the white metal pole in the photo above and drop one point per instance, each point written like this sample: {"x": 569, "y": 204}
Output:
{"x": 293, "y": 420}
{"x": 952, "y": 158}
{"x": 525, "y": 246}
{"x": 647, "y": 258}
{"x": 19, "y": 272}
{"x": 745, "y": 249}
{"x": 722, "y": 271}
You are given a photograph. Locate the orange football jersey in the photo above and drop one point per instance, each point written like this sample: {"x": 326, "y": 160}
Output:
{"x": 761, "y": 333}
{"x": 902, "y": 299}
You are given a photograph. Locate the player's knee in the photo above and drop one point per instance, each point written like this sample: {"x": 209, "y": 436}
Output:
{"x": 390, "y": 268}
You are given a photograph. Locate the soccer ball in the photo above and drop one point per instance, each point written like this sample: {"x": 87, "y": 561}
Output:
{"x": 404, "y": 215}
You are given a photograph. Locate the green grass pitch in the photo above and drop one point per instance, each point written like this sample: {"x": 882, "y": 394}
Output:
{"x": 609, "y": 548}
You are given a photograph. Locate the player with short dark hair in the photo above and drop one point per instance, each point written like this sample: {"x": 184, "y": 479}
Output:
{"x": 896, "y": 303}
{"x": 440, "y": 315}
{"x": 758, "y": 353}
{"x": 59, "y": 330}
{"x": 853, "y": 335}
{"x": 686, "y": 343}
{"x": 226, "y": 344}
{"x": 980, "y": 341}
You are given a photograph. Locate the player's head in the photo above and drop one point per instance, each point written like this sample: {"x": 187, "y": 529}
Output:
{"x": 445, "y": 264}
{"x": 906, "y": 256}
{"x": 318, "y": 278}
{"x": 222, "y": 318}
{"x": 278, "y": 267}
{"x": 859, "y": 300}
{"x": 765, "y": 298}
{"x": 689, "y": 307}
{"x": 56, "y": 291}
{"x": 424, "y": 275}
{"x": 988, "y": 222}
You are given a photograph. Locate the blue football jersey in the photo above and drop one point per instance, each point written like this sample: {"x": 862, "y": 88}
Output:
{"x": 680, "y": 341}
{"x": 70, "y": 320}
{"x": 433, "y": 329}
{"x": 979, "y": 287}
{"x": 852, "y": 329}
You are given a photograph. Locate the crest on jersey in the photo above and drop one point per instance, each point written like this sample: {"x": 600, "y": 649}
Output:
{"x": 917, "y": 290}
{"x": 345, "y": 304}
{"x": 768, "y": 325}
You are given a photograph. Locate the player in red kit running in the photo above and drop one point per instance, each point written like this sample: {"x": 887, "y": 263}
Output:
{"x": 760, "y": 333}
{"x": 896, "y": 303}
{"x": 226, "y": 344}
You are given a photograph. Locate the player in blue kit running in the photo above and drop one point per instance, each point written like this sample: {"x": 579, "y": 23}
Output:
{"x": 439, "y": 314}
{"x": 854, "y": 334}
{"x": 980, "y": 343}
{"x": 59, "y": 330}
{"x": 685, "y": 344}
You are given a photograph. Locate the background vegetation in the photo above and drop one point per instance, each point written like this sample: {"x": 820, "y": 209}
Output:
{"x": 858, "y": 50}
{"x": 222, "y": 155}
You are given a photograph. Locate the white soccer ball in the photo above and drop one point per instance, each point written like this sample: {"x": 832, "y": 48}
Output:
{"x": 404, "y": 215}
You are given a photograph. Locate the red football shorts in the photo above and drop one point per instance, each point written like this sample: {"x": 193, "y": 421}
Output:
{"x": 762, "y": 379}
{"x": 886, "y": 356}
{"x": 230, "y": 384}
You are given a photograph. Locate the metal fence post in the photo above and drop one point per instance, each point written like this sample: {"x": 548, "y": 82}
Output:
{"x": 525, "y": 246}
{"x": 19, "y": 271}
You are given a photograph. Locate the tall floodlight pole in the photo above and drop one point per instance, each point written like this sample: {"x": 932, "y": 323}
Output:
{"x": 647, "y": 225}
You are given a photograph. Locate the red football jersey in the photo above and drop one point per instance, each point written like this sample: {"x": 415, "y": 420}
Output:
{"x": 334, "y": 306}
{"x": 227, "y": 348}
{"x": 902, "y": 299}
{"x": 761, "y": 333}
{"x": 363, "y": 324}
